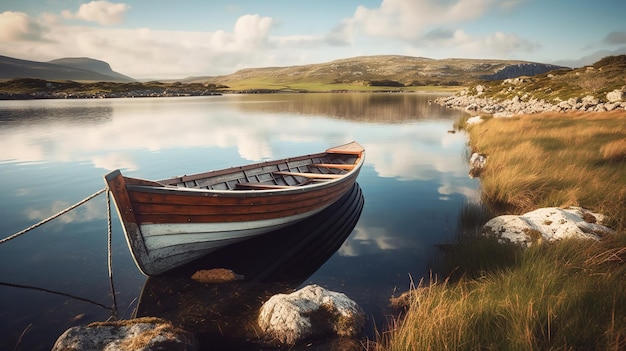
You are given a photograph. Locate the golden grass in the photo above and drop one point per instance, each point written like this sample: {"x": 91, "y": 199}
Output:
{"x": 557, "y": 297}
{"x": 554, "y": 160}
{"x": 614, "y": 151}
{"x": 563, "y": 296}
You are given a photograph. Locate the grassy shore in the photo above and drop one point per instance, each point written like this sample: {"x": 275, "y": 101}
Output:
{"x": 569, "y": 295}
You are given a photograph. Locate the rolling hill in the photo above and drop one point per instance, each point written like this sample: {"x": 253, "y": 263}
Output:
{"x": 381, "y": 71}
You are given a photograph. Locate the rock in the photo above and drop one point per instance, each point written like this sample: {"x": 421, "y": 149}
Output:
{"x": 216, "y": 275}
{"x": 550, "y": 224}
{"x": 474, "y": 120}
{"x": 526, "y": 105}
{"x": 616, "y": 95}
{"x": 477, "y": 163}
{"x": 310, "y": 311}
{"x": 136, "y": 334}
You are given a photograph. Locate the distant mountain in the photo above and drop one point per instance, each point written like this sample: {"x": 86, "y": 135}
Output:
{"x": 383, "y": 70}
{"x": 80, "y": 69}
{"x": 89, "y": 64}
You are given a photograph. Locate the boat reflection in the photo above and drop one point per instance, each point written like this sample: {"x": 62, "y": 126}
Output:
{"x": 224, "y": 314}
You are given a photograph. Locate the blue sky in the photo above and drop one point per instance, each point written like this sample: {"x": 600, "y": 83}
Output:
{"x": 170, "y": 39}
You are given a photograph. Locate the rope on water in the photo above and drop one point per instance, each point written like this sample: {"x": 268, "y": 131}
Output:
{"x": 52, "y": 217}
{"x": 110, "y": 254}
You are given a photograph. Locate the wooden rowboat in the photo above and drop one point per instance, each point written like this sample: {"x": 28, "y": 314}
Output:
{"x": 171, "y": 222}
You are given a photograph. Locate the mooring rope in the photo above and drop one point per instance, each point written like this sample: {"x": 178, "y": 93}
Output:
{"x": 52, "y": 217}
{"x": 110, "y": 254}
{"x": 109, "y": 245}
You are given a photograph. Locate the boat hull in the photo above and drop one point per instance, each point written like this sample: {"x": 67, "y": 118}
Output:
{"x": 167, "y": 226}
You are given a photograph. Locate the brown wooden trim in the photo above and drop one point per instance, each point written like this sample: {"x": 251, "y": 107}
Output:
{"x": 333, "y": 165}
{"x": 261, "y": 186}
{"x": 311, "y": 175}
{"x": 352, "y": 148}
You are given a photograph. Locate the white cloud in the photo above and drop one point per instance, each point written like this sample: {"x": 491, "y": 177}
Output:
{"x": 17, "y": 26}
{"x": 102, "y": 12}
{"x": 143, "y": 52}
{"x": 502, "y": 43}
{"x": 342, "y": 34}
{"x": 436, "y": 25}
{"x": 408, "y": 19}
{"x": 252, "y": 30}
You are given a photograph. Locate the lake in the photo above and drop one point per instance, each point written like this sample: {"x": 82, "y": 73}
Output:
{"x": 54, "y": 153}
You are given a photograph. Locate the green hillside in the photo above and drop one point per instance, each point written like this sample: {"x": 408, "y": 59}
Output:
{"x": 385, "y": 72}
{"x": 597, "y": 80}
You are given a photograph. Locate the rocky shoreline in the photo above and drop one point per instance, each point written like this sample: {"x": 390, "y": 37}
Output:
{"x": 106, "y": 95}
{"x": 481, "y": 104}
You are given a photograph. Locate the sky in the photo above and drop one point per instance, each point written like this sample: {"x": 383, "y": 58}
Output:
{"x": 151, "y": 39}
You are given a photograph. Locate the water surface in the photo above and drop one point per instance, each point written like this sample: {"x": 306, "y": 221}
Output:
{"x": 53, "y": 153}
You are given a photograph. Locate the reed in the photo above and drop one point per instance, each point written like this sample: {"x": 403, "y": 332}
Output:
{"x": 555, "y": 297}
{"x": 554, "y": 160}
{"x": 552, "y": 296}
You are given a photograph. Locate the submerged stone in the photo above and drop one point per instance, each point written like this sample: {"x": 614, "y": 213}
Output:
{"x": 215, "y": 275}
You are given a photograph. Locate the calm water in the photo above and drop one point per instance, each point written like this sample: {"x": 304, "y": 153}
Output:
{"x": 53, "y": 153}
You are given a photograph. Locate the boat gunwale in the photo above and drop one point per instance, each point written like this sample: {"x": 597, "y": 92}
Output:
{"x": 164, "y": 187}
{"x": 241, "y": 192}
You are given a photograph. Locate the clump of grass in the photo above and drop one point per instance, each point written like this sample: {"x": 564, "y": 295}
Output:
{"x": 614, "y": 151}
{"x": 557, "y": 296}
{"x": 552, "y": 160}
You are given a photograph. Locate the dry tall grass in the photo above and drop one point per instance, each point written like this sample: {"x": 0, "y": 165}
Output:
{"x": 564, "y": 296}
{"x": 554, "y": 160}
{"x": 557, "y": 297}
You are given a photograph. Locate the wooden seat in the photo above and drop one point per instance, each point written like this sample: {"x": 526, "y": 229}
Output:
{"x": 332, "y": 165}
{"x": 260, "y": 186}
{"x": 310, "y": 175}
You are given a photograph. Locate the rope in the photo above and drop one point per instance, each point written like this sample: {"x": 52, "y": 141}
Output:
{"x": 56, "y": 293}
{"x": 109, "y": 244}
{"x": 52, "y": 217}
{"x": 110, "y": 255}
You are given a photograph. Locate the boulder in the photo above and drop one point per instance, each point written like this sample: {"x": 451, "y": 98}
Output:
{"x": 477, "y": 163}
{"x": 616, "y": 95}
{"x": 549, "y": 224}
{"x": 310, "y": 312}
{"x": 136, "y": 334}
{"x": 474, "y": 120}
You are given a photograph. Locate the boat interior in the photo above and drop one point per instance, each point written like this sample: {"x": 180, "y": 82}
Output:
{"x": 288, "y": 173}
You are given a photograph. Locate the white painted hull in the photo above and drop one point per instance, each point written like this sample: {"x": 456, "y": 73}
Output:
{"x": 175, "y": 244}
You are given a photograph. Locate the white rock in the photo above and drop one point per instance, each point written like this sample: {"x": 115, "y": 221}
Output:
{"x": 474, "y": 120}
{"x": 478, "y": 160}
{"x": 143, "y": 333}
{"x": 477, "y": 163}
{"x": 310, "y": 311}
{"x": 616, "y": 95}
{"x": 548, "y": 224}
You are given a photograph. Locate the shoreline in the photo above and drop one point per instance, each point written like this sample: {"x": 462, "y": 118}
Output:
{"x": 527, "y": 106}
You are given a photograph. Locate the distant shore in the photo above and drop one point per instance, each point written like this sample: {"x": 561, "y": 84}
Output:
{"x": 516, "y": 106}
{"x": 41, "y": 95}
